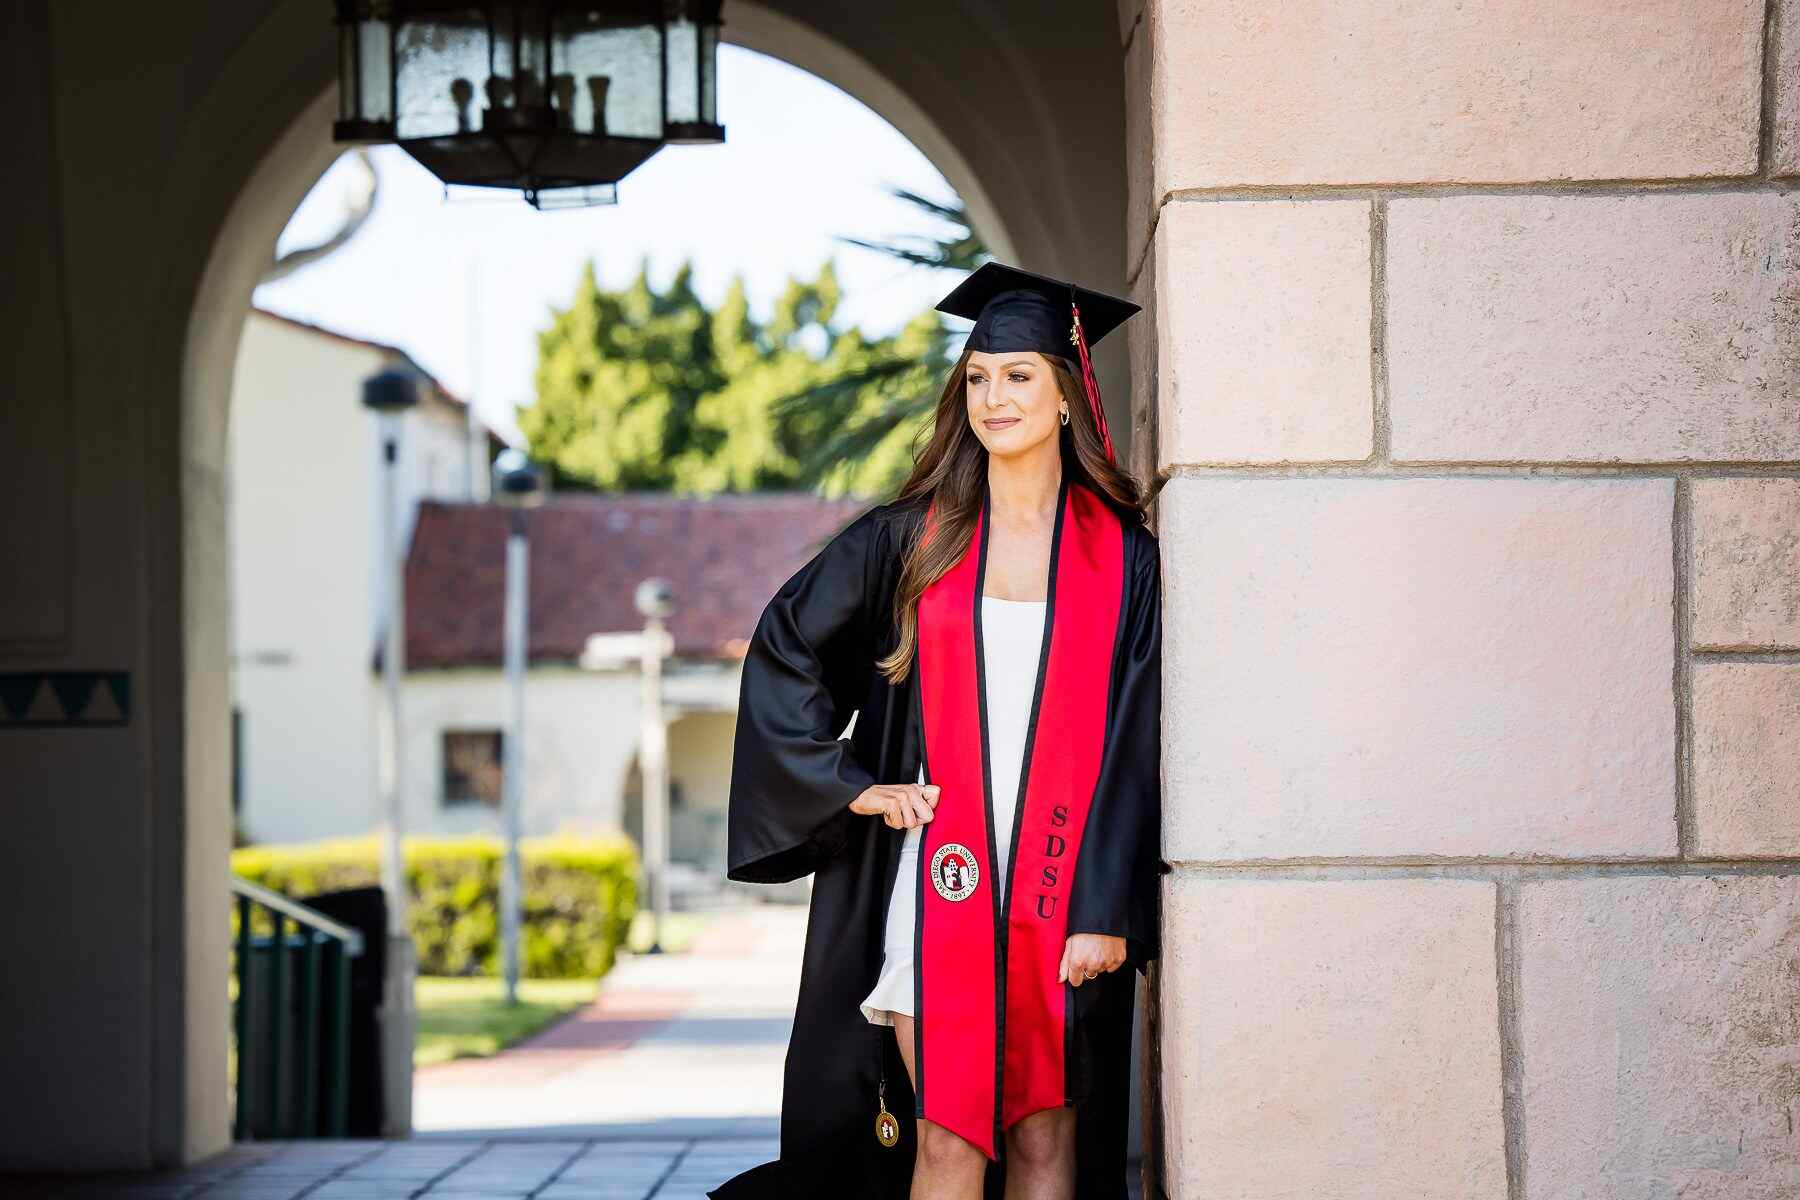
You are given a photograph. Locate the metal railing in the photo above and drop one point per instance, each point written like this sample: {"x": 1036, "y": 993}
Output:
{"x": 292, "y": 1019}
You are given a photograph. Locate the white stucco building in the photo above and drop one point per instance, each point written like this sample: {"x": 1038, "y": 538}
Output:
{"x": 304, "y": 509}
{"x": 303, "y": 500}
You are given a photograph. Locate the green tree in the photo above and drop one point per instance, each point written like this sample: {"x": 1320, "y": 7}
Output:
{"x": 881, "y": 406}
{"x": 651, "y": 390}
{"x": 619, "y": 379}
{"x": 747, "y": 446}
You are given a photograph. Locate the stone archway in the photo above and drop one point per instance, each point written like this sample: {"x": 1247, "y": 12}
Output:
{"x": 1040, "y": 163}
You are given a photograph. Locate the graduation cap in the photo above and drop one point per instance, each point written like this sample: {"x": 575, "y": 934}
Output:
{"x": 1019, "y": 310}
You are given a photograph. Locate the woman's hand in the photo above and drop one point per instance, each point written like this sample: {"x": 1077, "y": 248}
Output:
{"x": 1085, "y": 955}
{"x": 901, "y": 805}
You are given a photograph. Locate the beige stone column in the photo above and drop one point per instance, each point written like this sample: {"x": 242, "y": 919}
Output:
{"x": 1474, "y": 374}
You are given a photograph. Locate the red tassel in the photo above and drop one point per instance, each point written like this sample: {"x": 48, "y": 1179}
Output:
{"x": 1091, "y": 384}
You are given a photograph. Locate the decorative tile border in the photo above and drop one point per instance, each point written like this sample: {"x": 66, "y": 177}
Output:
{"x": 59, "y": 699}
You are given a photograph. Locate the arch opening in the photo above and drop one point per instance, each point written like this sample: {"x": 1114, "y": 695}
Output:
{"x": 1055, "y": 217}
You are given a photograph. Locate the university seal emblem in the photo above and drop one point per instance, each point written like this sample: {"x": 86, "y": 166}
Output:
{"x": 953, "y": 871}
{"x": 887, "y": 1129}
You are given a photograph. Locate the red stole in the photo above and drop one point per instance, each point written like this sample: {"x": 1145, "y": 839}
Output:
{"x": 992, "y": 1024}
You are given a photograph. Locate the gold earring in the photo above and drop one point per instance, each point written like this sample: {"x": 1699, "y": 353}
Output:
{"x": 1065, "y": 414}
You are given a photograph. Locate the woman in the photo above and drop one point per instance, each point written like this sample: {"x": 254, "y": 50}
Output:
{"x": 985, "y": 842}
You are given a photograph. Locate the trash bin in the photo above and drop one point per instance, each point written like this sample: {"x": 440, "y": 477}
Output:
{"x": 364, "y": 909}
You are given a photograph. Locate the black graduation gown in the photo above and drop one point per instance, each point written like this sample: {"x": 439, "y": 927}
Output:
{"x": 809, "y": 668}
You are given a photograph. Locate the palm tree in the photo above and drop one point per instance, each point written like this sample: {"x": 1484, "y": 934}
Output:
{"x": 906, "y": 398}
{"x": 955, "y": 250}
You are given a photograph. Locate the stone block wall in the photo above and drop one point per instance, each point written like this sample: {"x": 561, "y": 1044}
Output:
{"x": 1472, "y": 372}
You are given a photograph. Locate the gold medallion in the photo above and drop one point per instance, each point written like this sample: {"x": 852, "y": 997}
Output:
{"x": 887, "y": 1129}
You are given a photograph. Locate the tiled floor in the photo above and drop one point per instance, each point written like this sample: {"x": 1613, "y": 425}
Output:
{"x": 667, "y": 1085}
{"x": 650, "y": 1169}
{"x": 512, "y": 1169}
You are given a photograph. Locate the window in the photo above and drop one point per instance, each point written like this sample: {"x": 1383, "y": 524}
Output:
{"x": 471, "y": 767}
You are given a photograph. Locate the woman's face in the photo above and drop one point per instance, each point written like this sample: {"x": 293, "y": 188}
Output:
{"x": 1014, "y": 406}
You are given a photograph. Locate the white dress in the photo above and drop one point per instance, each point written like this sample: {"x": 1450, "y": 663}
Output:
{"x": 1012, "y": 637}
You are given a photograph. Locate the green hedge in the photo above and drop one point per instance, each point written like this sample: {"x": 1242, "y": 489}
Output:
{"x": 580, "y": 896}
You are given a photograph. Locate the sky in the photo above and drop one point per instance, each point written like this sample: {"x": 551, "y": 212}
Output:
{"x": 802, "y": 164}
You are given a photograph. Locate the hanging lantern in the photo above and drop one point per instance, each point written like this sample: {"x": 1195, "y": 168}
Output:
{"x": 557, "y": 100}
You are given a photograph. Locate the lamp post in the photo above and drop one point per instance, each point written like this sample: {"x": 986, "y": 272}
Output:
{"x": 519, "y": 486}
{"x": 388, "y": 394}
{"x": 655, "y": 601}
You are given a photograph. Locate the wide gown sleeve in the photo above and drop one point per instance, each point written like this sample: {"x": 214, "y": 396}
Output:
{"x": 1117, "y": 888}
{"x": 808, "y": 665}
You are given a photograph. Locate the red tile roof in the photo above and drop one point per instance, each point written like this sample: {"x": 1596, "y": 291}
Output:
{"x": 726, "y": 556}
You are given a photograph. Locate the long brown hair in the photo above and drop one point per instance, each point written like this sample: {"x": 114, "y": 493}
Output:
{"x": 949, "y": 478}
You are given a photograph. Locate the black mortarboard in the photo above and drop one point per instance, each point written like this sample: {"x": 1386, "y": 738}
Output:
{"x": 1019, "y": 310}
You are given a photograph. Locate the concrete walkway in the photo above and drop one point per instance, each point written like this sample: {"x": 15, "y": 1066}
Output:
{"x": 688, "y": 1044}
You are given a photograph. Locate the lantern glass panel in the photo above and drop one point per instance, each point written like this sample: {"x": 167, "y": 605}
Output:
{"x": 608, "y": 71}
{"x": 693, "y": 50}
{"x": 441, "y": 71}
{"x": 709, "y": 67}
{"x": 374, "y": 46}
{"x": 516, "y": 57}
{"x": 684, "y": 71}
{"x": 583, "y": 196}
{"x": 349, "y": 75}
{"x": 365, "y": 95}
